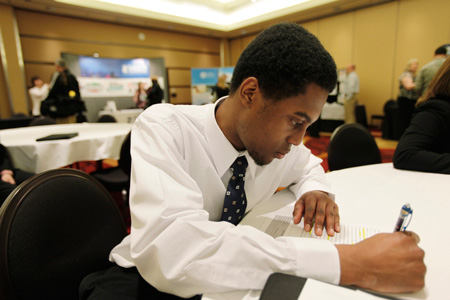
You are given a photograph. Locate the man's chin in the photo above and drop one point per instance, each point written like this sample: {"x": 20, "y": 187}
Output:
{"x": 262, "y": 162}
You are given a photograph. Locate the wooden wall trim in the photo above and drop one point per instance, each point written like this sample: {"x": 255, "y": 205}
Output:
{"x": 117, "y": 44}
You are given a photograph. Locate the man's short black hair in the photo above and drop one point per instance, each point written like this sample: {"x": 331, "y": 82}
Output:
{"x": 285, "y": 58}
{"x": 440, "y": 50}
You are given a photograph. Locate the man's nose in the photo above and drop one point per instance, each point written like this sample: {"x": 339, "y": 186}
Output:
{"x": 297, "y": 137}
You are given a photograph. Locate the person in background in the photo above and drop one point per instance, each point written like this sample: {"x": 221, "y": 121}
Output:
{"x": 10, "y": 176}
{"x": 63, "y": 102}
{"x": 156, "y": 94}
{"x": 425, "y": 145}
{"x": 221, "y": 89}
{"x": 427, "y": 72}
{"x": 38, "y": 92}
{"x": 351, "y": 90}
{"x": 185, "y": 202}
{"x": 407, "y": 96}
{"x": 140, "y": 96}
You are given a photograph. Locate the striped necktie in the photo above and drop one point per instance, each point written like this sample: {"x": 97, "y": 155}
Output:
{"x": 235, "y": 201}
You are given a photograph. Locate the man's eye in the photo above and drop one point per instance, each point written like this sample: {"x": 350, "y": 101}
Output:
{"x": 297, "y": 124}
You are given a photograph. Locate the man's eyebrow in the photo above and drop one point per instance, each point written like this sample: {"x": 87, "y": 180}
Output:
{"x": 304, "y": 115}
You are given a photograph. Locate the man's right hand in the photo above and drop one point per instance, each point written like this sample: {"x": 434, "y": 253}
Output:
{"x": 386, "y": 262}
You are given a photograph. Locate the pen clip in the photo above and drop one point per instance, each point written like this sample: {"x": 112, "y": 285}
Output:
{"x": 409, "y": 217}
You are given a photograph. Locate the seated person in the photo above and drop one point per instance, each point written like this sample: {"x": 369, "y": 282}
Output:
{"x": 184, "y": 239}
{"x": 425, "y": 145}
{"x": 10, "y": 177}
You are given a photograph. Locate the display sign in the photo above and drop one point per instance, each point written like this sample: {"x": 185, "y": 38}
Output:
{"x": 108, "y": 77}
{"x": 203, "y": 81}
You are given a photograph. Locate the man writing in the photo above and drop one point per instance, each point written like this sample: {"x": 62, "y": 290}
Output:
{"x": 183, "y": 238}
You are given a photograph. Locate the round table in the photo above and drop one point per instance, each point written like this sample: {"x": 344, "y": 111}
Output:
{"x": 95, "y": 141}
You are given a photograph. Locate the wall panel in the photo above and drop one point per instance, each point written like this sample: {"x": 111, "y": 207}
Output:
{"x": 374, "y": 55}
{"x": 5, "y": 108}
{"x": 312, "y": 27}
{"x": 180, "y": 95}
{"x": 336, "y": 35}
{"x": 55, "y": 27}
{"x": 179, "y": 77}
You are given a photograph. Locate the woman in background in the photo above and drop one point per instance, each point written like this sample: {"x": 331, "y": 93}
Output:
{"x": 38, "y": 93}
{"x": 425, "y": 145}
{"x": 221, "y": 89}
{"x": 407, "y": 96}
{"x": 140, "y": 96}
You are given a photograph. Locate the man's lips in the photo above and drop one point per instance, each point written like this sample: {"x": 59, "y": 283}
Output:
{"x": 281, "y": 154}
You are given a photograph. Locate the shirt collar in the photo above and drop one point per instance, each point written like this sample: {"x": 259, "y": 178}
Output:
{"x": 222, "y": 151}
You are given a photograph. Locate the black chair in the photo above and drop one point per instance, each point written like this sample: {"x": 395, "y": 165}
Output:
{"x": 42, "y": 121}
{"x": 360, "y": 115}
{"x": 352, "y": 145}
{"x": 106, "y": 119}
{"x": 117, "y": 179}
{"x": 392, "y": 128}
{"x": 15, "y": 121}
{"x": 55, "y": 228}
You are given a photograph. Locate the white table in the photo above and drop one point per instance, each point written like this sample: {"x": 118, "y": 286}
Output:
{"x": 123, "y": 115}
{"x": 95, "y": 141}
{"x": 373, "y": 196}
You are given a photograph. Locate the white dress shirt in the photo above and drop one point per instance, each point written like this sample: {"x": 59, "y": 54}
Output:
{"x": 38, "y": 94}
{"x": 180, "y": 168}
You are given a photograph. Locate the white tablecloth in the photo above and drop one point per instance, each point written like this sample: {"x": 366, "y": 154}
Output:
{"x": 95, "y": 141}
{"x": 333, "y": 111}
{"x": 372, "y": 196}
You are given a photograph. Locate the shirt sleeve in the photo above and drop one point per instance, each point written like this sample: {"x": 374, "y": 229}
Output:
{"x": 306, "y": 173}
{"x": 179, "y": 251}
{"x": 419, "y": 83}
{"x": 39, "y": 93}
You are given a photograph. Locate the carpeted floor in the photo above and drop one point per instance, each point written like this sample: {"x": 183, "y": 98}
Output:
{"x": 319, "y": 147}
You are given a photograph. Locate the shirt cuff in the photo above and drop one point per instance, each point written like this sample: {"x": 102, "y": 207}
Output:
{"x": 317, "y": 259}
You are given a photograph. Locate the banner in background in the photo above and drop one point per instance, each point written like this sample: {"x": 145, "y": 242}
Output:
{"x": 108, "y": 77}
{"x": 114, "y": 68}
{"x": 203, "y": 80}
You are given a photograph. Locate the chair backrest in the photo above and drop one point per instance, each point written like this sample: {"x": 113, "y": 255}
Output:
{"x": 360, "y": 115}
{"x": 125, "y": 155}
{"x": 106, "y": 119}
{"x": 352, "y": 145}
{"x": 391, "y": 125}
{"x": 55, "y": 228}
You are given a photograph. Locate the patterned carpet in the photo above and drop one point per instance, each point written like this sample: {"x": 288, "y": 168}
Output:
{"x": 319, "y": 147}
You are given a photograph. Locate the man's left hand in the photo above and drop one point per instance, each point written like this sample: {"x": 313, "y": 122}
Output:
{"x": 318, "y": 205}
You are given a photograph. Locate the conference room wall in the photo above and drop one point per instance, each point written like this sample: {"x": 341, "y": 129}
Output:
{"x": 379, "y": 40}
{"x": 43, "y": 43}
{"x": 12, "y": 68}
{"x": 5, "y": 108}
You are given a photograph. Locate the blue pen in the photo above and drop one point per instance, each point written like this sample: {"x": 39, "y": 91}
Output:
{"x": 405, "y": 212}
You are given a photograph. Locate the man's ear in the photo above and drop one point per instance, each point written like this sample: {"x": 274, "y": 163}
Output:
{"x": 247, "y": 91}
